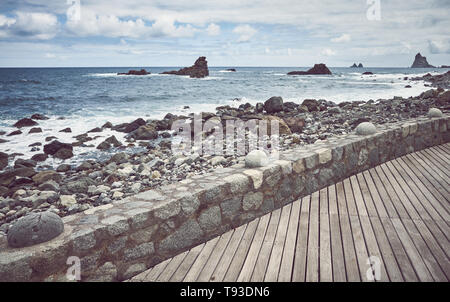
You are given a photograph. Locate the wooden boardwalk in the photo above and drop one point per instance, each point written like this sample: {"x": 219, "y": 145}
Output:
{"x": 397, "y": 213}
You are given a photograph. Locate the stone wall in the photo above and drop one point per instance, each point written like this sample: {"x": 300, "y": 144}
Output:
{"x": 119, "y": 240}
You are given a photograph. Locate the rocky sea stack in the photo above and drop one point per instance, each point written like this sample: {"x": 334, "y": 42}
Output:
{"x": 360, "y": 65}
{"x": 135, "y": 72}
{"x": 317, "y": 69}
{"x": 198, "y": 70}
{"x": 421, "y": 62}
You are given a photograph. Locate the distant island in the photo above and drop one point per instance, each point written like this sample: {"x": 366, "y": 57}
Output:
{"x": 421, "y": 62}
{"x": 317, "y": 69}
{"x": 360, "y": 65}
{"x": 198, "y": 70}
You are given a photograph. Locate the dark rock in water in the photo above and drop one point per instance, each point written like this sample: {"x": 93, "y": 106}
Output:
{"x": 17, "y": 132}
{"x": 317, "y": 69}
{"x": 445, "y": 66}
{"x": 3, "y": 141}
{"x": 35, "y": 130}
{"x": 63, "y": 168}
{"x": 3, "y": 160}
{"x": 55, "y": 146}
{"x": 186, "y": 107}
{"x": 20, "y": 163}
{"x": 35, "y": 144}
{"x": 107, "y": 125}
{"x": 408, "y": 86}
{"x": 360, "y": 65}
{"x": 135, "y": 72}
{"x": 66, "y": 130}
{"x": 35, "y": 228}
{"x": 129, "y": 127}
{"x": 198, "y": 70}
{"x": 50, "y": 138}
{"x": 145, "y": 132}
{"x": 39, "y": 157}
{"x": 45, "y": 176}
{"x": 367, "y": 73}
{"x": 25, "y": 122}
{"x": 274, "y": 104}
{"x": 421, "y": 62}
{"x": 110, "y": 141}
{"x": 311, "y": 104}
{"x": 231, "y": 69}
{"x": 63, "y": 153}
{"x": 95, "y": 130}
{"x": 38, "y": 116}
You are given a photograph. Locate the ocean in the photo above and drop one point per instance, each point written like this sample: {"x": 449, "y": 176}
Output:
{"x": 88, "y": 97}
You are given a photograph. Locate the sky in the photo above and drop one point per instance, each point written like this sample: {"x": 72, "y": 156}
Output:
{"x": 91, "y": 33}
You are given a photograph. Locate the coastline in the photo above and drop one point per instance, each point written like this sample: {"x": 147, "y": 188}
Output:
{"x": 67, "y": 190}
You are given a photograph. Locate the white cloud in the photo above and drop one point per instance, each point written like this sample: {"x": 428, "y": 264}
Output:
{"x": 245, "y": 32}
{"x": 213, "y": 29}
{"x": 328, "y": 52}
{"x": 342, "y": 38}
{"x": 437, "y": 47}
{"x": 40, "y": 26}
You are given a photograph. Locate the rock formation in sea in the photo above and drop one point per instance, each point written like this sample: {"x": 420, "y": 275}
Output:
{"x": 445, "y": 66}
{"x": 317, "y": 69}
{"x": 135, "y": 72}
{"x": 360, "y": 65}
{"x": 421, "y": 62}
{"x": 198, "y": 70}
{"x": 231, "y": 69}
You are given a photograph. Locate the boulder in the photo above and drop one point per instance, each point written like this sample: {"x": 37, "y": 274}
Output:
{"x": 274, "y": 104}
{"x": 282, "y": 126}
{"x": 367, "y": 73}
{"x": 66, "y": 130}
{"x": 295, "y": 123}
{"x": 38, "y": 116}
{"x": 35, "y": 130}
{"x": 63, "y": 168}
{"x": 198, "y": 70}
{"x": 3, "y": 160}
{"x": 63, "y": 153}
{"x": 20, "y": 163}
{"x": 366, "y": 128}
{"x": 45, "y": 176}
{"x": 80, "y": 185}
{"x": 317, "y": 69}
{"x": 6, "y": 178}
{"x": 146, "y": 132}
{"x": 421, "y": 62}
{"x": 35, "y": 228}
{"x": 256, "y": 158}
{"x": 55, "y": 146}
{"x": 25, "y": 122}
{"x": 17, "y": 132}
{"x": 39, "y": 157}
{"x": 434, "y": 112}
{"x": 108, "y": 143}
{"x": 311, "y": 104}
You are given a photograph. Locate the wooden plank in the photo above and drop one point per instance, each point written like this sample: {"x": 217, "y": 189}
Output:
{"x": 387, "y": 254}
{"x": 441, "y": 237}
{"x": 431, "y": 158}
{"x": 427, "y": 256}
{"x": 202, "y": 258}
{"x": 372, "y": 191}
{"x": 184, "y": 267}
{"x": 384, "y": 192}
{"x": 337, "y": 251}
{"x": 156, "y": 271}
{"x": 443, "y": 152}
{"x": 397, "y": 195}
{"x": 229, "y": 254}
{"x": 431, "y": 170}
{"x": 342, "y": 205}
{"x": 368, "y": 201}
{"x": 216, "y": 255}
{"x": 287, "y": 260}
{"x": 241, "y": 253}
{"x": 171, "y": 268}
{"x": 247, "y": 269}
{"x": 442, "y": 260}
{"x": 259, "y": 270}
{"x": 312, "y": 261}
{"x": 440, "y": 156}
{"x": 301, "y": 248}
{"x": 325, "y": 263}
{"x": 435, "y": 188}
{"x": 351, "y": 262}
{"x": 273, "y": 268}
{"x": 404, "y": 263}
{"x": 414, "y": 207}
{"x": 416, "y": 260}
{"x": 369, "y": 236}
{"x": 424, "y": 194}
{"x": 351, "y": 205}
{"x": 140, "y": 277}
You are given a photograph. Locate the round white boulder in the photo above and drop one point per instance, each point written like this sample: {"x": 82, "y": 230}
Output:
{"x": 434, "y": 112}
{"x": 35, "y": 228}
{"x": 255, "y": 159}
{"x": 366, "y": 128}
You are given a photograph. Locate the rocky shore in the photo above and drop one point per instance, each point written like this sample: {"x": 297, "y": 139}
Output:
{"x": 27, "y": 186}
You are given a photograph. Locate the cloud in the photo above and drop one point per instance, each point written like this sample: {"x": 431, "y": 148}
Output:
{"x": 111, "y": 26}
{"x": 39, "y": 26}
{"x": 245, "y": 32}
{"x": 328, "y": 52}
{"x": 438, "y": 47}
{"x": 213, "y": 29}
{"x": 342, "y": 38}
